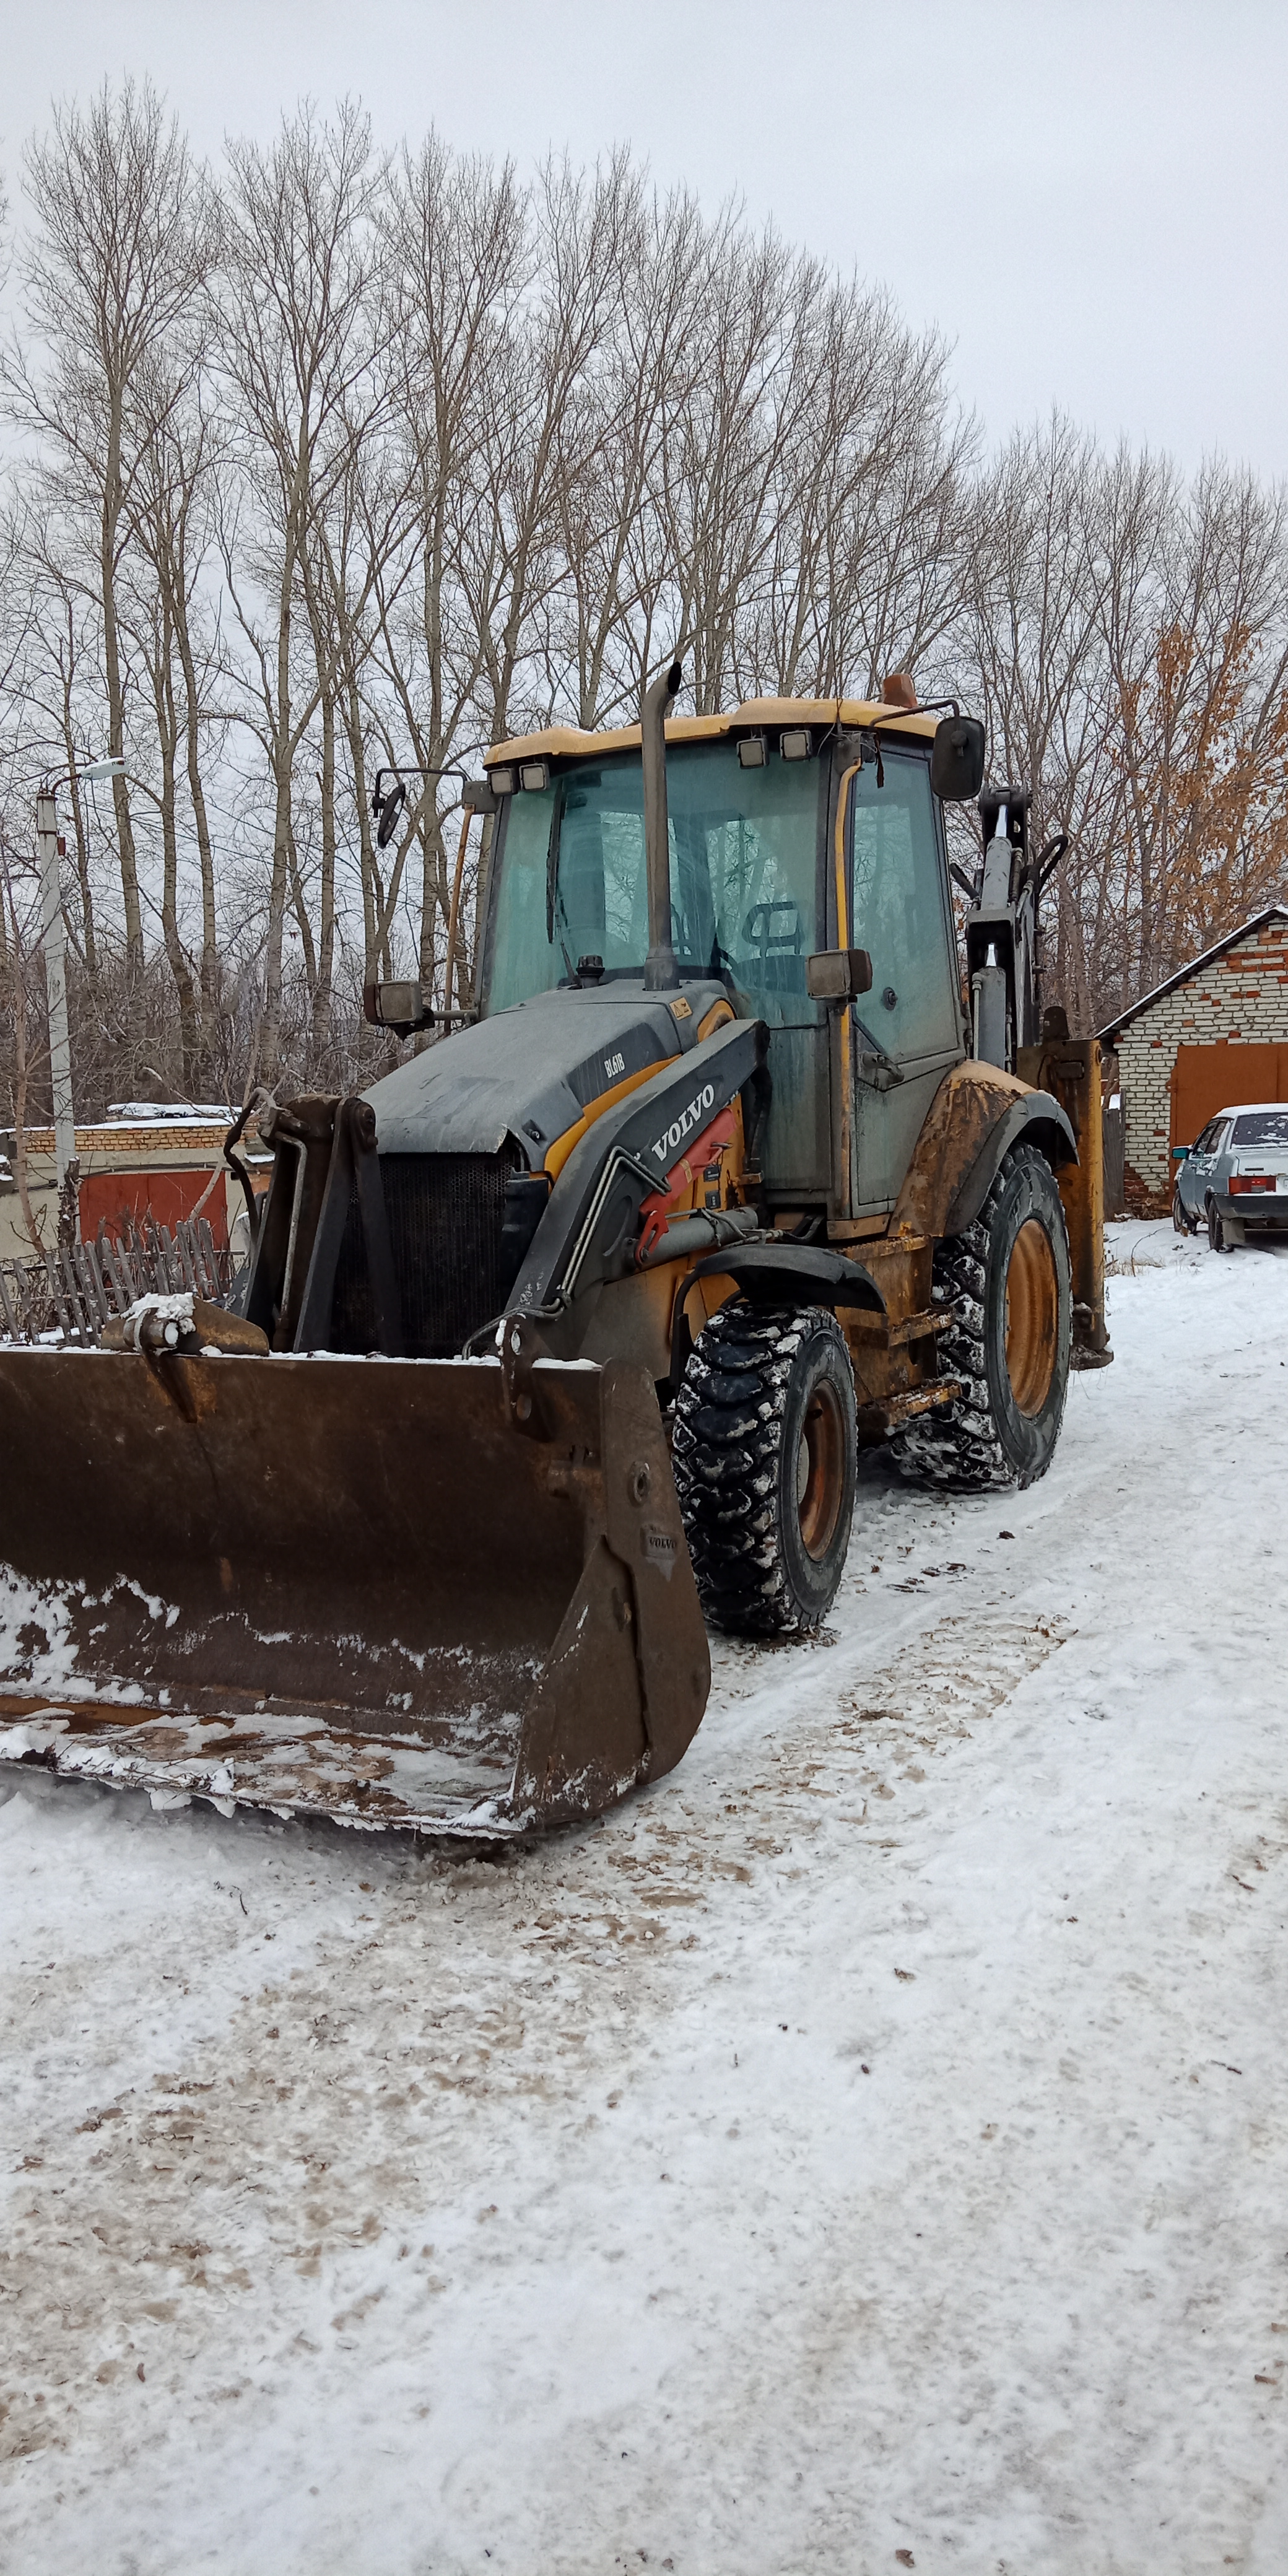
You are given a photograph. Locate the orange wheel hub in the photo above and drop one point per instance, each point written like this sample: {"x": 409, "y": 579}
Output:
{"x": 1032, "y": 1316}
{"x": 820, "y": 1469}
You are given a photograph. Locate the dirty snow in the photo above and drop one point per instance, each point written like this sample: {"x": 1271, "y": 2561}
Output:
{"x": 867, "y": 2148}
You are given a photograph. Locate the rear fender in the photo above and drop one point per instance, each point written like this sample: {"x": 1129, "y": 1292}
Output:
{"x": 976, "y": 1116}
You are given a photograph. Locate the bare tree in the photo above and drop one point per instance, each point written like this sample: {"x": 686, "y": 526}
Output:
{"x": 295, "y": 317}
{"x": 345, "y": 460}
{"x": 458, "y": 256}
{"x": 508, "y": 548}
{"x": 120, "y": 251}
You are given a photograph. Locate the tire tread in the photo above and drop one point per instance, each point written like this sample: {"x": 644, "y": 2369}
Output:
{"x": 958, "y": 1447}
{"x": 727, "y": 1436}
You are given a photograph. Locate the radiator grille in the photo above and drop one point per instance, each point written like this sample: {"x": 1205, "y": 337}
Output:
{"x": 445, "y": 1216}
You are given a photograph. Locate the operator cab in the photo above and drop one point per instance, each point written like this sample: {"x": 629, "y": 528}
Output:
{"x": 795, "y": 828}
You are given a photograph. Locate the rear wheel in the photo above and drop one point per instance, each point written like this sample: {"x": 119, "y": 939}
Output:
{"x": 1181, "y": 1218}
{"x": 1006, "y": 1280}
{"x": 1216, "y": 1228}
{"x": 764, "y": 1455}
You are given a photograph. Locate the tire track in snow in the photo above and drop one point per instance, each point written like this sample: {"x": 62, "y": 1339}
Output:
{"x": 346, "y": 2099}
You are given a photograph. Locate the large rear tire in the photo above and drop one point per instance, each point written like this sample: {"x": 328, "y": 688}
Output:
{"x": 765, "y": 1459}
{"x": 1007, "y": 1282}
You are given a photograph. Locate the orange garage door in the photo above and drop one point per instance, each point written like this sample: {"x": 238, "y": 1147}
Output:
{"x": 1208, "y": 1078}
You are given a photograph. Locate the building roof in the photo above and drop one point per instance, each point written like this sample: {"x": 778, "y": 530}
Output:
{"x": 567, "y": 742}
{"x": 1112, "y": 1029}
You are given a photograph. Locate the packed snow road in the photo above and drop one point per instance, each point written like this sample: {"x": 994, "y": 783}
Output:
{"x": 868, "y": 2148}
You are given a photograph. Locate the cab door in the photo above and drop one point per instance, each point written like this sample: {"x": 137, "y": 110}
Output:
{"x": 900, "y": 912}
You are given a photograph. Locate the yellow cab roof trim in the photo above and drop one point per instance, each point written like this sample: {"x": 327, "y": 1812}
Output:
{"x": 568, "y": 742}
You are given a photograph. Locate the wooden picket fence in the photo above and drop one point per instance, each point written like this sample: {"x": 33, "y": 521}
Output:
{"x": 68, "y": 1294}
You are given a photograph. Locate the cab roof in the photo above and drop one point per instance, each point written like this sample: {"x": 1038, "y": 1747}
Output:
{"x": 568, "y": 742}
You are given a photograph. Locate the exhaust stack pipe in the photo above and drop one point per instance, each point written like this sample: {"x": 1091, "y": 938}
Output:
{"x": 661, "y": 973}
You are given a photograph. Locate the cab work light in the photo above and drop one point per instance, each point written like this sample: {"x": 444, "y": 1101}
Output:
{"x": 1241, "y": 1181}
{"x": 796, "y": 745}
{"x": 534, "y": 775}
{"x": 501, "y": 781}
{"x": 751, "y": 751}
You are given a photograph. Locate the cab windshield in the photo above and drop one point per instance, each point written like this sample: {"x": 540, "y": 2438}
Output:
{"x": 744, "y": 877}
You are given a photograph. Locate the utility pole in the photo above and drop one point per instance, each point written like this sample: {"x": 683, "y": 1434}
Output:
{"x": 55, "y": 946}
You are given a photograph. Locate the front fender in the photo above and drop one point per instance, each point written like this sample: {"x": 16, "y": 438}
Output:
{"x": 793, "y": 1274}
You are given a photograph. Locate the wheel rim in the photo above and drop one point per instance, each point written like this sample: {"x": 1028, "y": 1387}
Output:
{"x": 820, "y": 1469}
{"x": 1032, "y": 1315}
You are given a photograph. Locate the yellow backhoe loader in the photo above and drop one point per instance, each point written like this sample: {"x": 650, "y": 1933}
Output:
{"x": 561, "y": 1341}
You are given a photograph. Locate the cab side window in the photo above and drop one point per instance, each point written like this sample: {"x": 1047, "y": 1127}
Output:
{"x": 899, "y": 910}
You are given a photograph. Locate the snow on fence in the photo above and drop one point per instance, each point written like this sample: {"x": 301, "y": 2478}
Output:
{"x": 67, "y": 1295}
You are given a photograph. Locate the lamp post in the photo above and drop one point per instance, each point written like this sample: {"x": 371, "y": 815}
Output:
{"x": 55, "y": 947}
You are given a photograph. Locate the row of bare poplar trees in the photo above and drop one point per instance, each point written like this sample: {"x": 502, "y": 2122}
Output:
{"x": 339, "y": 456}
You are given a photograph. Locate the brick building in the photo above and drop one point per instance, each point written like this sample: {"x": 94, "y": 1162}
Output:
{"x": 1215, "y": 1033}
{"x": 141, "y": 1161}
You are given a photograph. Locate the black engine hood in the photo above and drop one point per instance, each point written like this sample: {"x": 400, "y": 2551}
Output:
{"x": 532, "y": 1072}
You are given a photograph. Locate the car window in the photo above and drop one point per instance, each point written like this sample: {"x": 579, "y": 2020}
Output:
{"x": 1215, "y": 1136}
{"x": 1203, "y": 1140}
{"x": 1262, "y": 1127}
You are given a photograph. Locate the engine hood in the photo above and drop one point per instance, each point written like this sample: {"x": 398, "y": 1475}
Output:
{"x": 531, "y": 1073}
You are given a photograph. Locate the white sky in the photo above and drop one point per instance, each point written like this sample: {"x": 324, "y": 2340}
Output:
{"x": 1090, "y": 199}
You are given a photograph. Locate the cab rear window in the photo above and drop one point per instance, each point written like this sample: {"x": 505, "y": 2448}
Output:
{"x": 1262, "y": 1127}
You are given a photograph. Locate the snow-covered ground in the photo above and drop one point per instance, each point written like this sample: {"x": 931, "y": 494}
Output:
{"x": 868, "y": 2148}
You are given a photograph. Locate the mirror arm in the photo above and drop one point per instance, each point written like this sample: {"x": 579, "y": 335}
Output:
{"x": 1048, "y": 859}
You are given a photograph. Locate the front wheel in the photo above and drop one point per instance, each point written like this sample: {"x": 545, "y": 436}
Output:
{"x": 1006, "y": 1281}
{"x": 1181, "y": 1219}
{"x": 765, "y": 1459}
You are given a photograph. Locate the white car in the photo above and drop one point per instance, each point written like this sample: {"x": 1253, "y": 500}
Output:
{"x": 1234, "y": 1177}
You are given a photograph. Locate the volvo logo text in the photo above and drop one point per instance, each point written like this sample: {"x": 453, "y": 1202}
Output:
{"x": 666, "y": 1145}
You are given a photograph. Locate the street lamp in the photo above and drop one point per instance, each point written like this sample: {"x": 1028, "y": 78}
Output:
{"x": 55, "y": 947}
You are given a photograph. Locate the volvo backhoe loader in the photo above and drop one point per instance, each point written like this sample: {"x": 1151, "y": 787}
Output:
{"x": 562, "y": 1340}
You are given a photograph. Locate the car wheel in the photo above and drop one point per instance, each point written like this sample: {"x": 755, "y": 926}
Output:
{"x": 1216, "y": 1230}
{"x": 1180, "y": 1221}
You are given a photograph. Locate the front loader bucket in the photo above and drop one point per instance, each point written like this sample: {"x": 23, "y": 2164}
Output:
{"x": 389, "y": 1592}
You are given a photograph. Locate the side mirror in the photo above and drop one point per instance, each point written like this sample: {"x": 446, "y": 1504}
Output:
{"x": 387, "y": 809}
{"x": 401, "y": 1008}
{"x": 838, "y": 974}
{"x": 957, "y": 760}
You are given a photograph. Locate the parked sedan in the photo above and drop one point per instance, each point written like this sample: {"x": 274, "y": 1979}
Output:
{"x": 1234, "y": 1177}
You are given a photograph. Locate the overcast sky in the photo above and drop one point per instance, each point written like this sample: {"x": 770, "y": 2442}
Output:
{"x": 1088, "y": 196}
